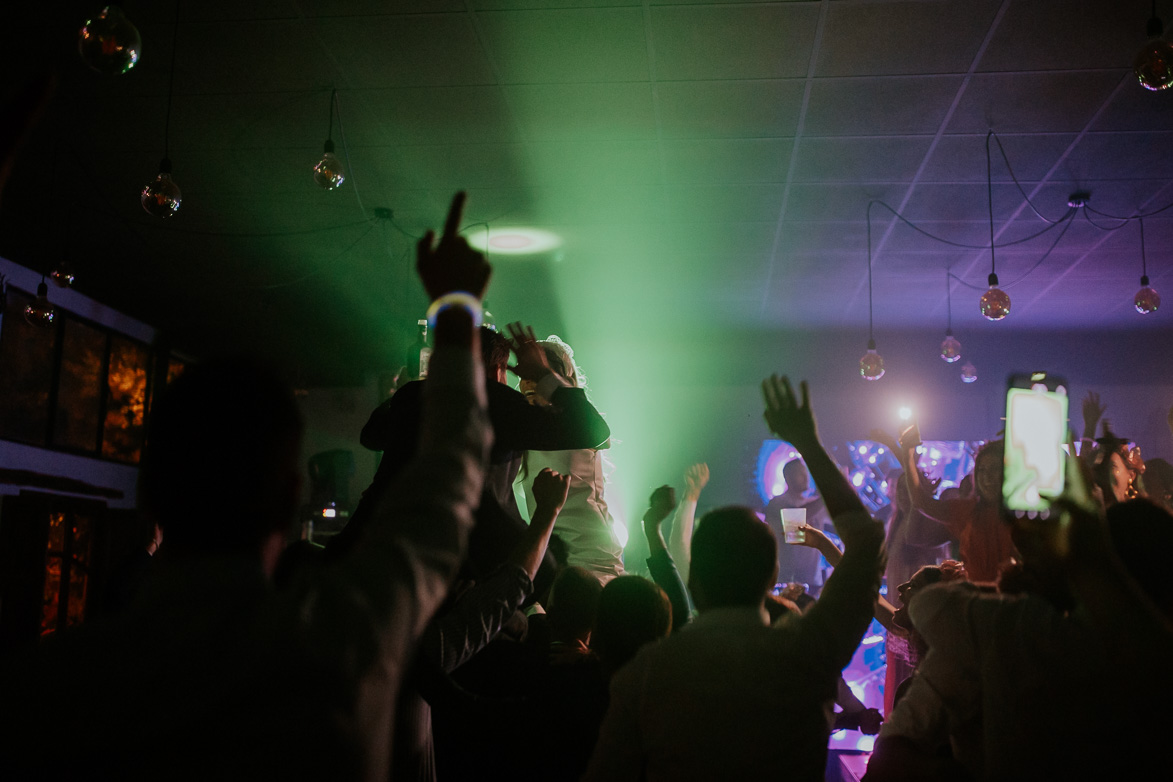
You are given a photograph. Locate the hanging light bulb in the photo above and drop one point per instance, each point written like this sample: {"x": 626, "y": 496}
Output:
{"x": 1154, "y": 62}
{"x": 41, "y": 313}
{"x": 950, "y": 348}
{"x": 1147, "y": 300}
{"x": 109, "y": 43}
{"x": 871, "y": 364}
{"x": 968, "y": 373}
{"x": 161, "y": 197}
{"x": 62, "y": 275}
{"x": 995, "y": 303}
{"x": 328, "y": 173}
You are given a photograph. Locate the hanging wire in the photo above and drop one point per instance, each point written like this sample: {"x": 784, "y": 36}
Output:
{"x": 964, "y": 245}
{"x": 1105, "y": 227}
{"x": 255, "y": 234}
{"x": 990, "y": 200}
{"x": 329, "y": 267}
{"x": 948, "y": 304}
{"x": 1066, "y": 224}
{"x": 1009, "y": 168}
{"x": 335, "y": 103}
{"x": 871, "y": 333}
{"x": 330, "y": 127}
{"x": 171, "y": 85}
{"x": 1144, "y": 264}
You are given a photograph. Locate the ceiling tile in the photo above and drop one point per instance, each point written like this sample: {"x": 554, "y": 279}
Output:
{"x": 882, "y": 106}
{"x": 570, "y": 164}
{"x": 962, "y": 158}
{"x": 891, "y": 37}
{"x": 1047, "y": 35}
{"x": 720, "y": 161}
{"x": 725, "y": 203}
{"x": 838, "y": 202}
{"x": 1136, "y": 155}
{"x": 579, "y": 45}
{"x": 587, "y": 112}
{"x": 733, "y": 42}
{"x": 860, "y": 159}
{"x": 723, "y": 109}
{"x": 407, "y": 51}
{"x": 1032, "y": 102}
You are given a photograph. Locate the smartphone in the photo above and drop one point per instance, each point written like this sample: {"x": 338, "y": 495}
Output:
{"x": 1034, "y": 465}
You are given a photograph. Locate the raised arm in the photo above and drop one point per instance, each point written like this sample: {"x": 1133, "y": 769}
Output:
{"x": 833, "y": 626}
{"x": 794, "y": 422}
{"x": 660, "y": 563}
{"x": 696, "y": 478}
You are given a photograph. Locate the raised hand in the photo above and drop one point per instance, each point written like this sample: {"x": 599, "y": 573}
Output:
{"x": 550, "y": 490}
{"x": 1093, "y": 411}
{"x": 452, "y": 265}
{"x": 532, "y": 363}
{"x": 696, "y": 478}
{"x": 790, "y": 420}
{"x": 660, "y": 505}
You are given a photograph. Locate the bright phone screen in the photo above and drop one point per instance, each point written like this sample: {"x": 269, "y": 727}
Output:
{"x": 1036, "y": 430}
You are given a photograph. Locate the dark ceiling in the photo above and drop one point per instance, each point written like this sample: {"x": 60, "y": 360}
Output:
{"x": 705, "y": 164}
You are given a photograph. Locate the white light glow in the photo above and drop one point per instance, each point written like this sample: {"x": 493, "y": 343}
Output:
{"x": 514, "y": 241}
{"x": 905, "y": 413}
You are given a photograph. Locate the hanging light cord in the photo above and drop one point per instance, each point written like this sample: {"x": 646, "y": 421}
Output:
{"x": 1144, "y": 264}
{"x": 1066, "y": 224}
{"x": 990, "y": 201}
{"x": 171, "y": 85}
{"x": 948, "y": 304}
{"x": 871, "y": 332}
{"x": 330, "y": 127}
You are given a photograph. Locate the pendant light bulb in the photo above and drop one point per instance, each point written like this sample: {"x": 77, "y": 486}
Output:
{"x": 62, "y": 275}
{"x": 1147, "y": 300}
{"x": 109, "y": 43}
{"x": 871, "y": 364}
{"x": 950, "y": 348}
{"x": 968, "y": 373}
{"x": 1154, "y": 62}
{"x": 995, "y": 303}
{"x": 161, "y": 197}
{"x": 41, "y": 313}
{"x": 328, "y": 173}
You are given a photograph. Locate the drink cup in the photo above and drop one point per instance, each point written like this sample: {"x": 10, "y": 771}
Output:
{"x": 793, "y": 520}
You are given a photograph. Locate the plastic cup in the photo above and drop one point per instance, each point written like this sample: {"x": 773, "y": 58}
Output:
{"x": 793, "y": 520}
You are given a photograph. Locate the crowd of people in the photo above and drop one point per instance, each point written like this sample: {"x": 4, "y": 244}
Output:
{"x": 446, "y": 635}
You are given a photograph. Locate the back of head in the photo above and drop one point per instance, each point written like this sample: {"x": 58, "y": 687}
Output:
{"x": 632, "y": 612}
{"x": 494, "y": 351}
{"x": 220, "y": 469}
{"x": 734, "y": 559}
{"x": 574, "y": 602}
{"x": 1142, "y": 534}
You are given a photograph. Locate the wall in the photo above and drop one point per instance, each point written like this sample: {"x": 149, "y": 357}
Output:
{"x": 94, "y": 471}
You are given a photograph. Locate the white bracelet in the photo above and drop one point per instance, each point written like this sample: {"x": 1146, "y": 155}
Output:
{"x": 456, "y": 299}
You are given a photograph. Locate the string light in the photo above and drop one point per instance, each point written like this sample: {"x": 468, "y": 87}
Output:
{"x": 1146, "y": 300}
{"x": 40, "y": 312}
{"x": 968, "y": 373}
{"x": 994, "y": 303}
{"x": 950, "y": 347}
{"x": 871, "y": 364}
{"x": 1154, "y": 62}
{"x": 108, "y": 42}
{"x": 329, "y": 173}
{"x": 161, "y": 197}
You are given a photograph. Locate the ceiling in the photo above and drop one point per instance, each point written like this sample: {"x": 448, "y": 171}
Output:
{"x": 706, "y": 165}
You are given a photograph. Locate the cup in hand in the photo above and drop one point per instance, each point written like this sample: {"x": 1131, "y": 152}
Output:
{"x": 793, "y": 520}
